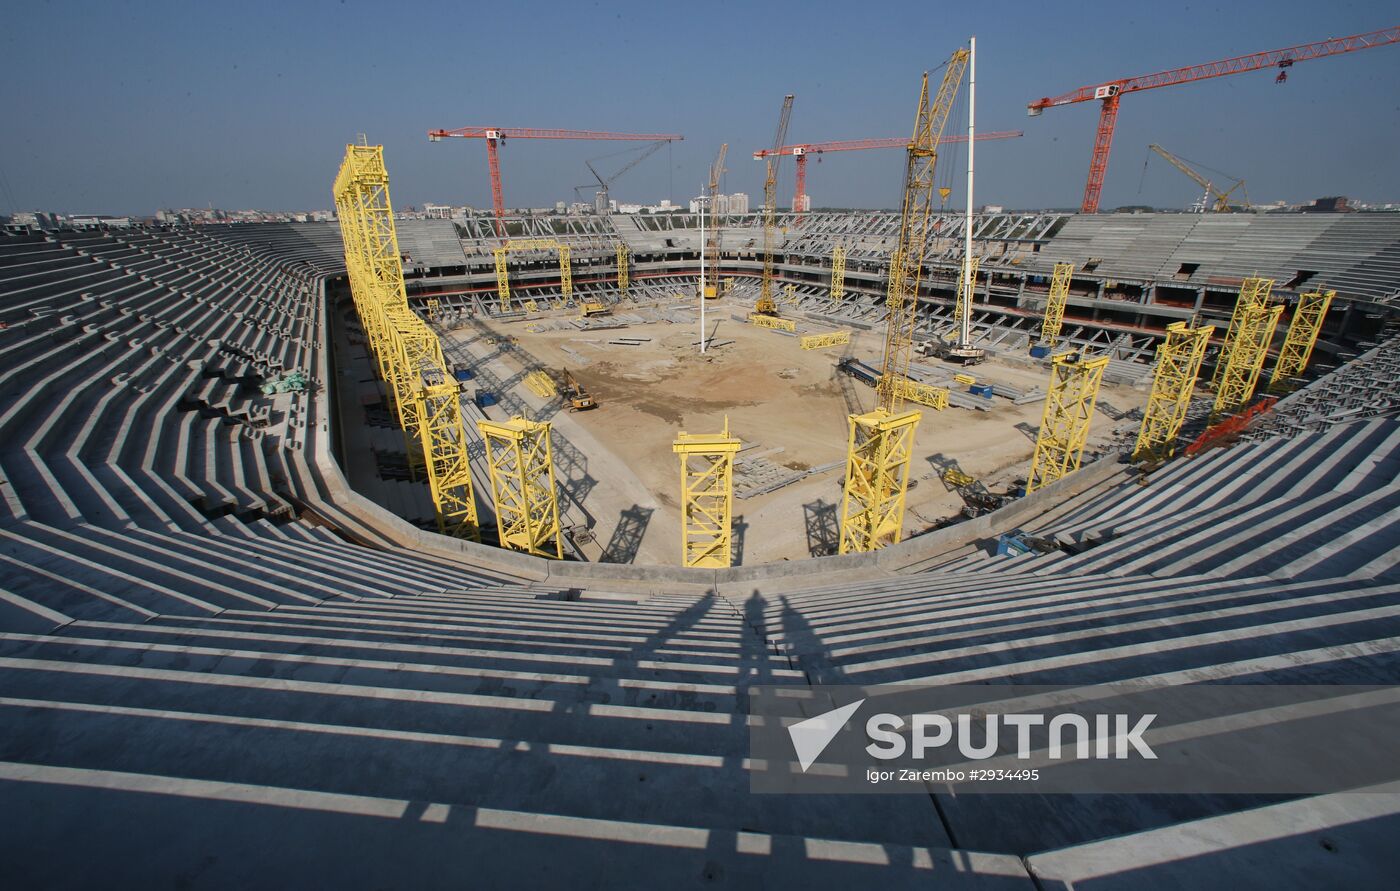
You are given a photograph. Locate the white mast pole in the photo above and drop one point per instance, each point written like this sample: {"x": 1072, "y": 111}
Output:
{"x": 965, "y": 321}
{"x": 702, "y": 276}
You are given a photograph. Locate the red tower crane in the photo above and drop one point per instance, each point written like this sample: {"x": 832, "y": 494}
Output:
{"x": 496, "y": 135}
{"x": 1110, "y": 92}
{"x": 801, "y": 150}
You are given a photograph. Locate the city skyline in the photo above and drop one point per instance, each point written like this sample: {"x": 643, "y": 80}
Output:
{"x": 200, "y": 107}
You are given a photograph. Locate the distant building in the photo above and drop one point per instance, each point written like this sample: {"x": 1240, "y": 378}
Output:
{"x": 560, "y": 207}
{"x": 1334, "y": 204}
{"x": 994, "y": 208}
{"x": 437, "y": 211}
{"x": 802, "y": 205}
{"x": 738, "y": 203}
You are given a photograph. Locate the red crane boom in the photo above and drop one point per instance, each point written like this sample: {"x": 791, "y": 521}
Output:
{"x": 802, "y": 150}
{"x": 496, "y": 135}
{"x": 1110, "y": 92}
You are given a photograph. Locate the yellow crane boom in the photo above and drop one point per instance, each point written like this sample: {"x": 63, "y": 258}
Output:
{"x": 712, "y": 245}
{"x": 765, "y": 305}
{"x": 907, "y": 262}
{"x": 1218, "y": 200}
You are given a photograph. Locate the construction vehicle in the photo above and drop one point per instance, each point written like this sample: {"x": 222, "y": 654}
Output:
{"x": 574, "y": 393}
{"x": 594, "y": 309}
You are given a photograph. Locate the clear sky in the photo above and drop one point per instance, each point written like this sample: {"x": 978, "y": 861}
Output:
{"x": 125, "y": 107}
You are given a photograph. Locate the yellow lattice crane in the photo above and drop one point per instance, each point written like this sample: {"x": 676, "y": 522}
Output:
{"x": 1214, "y": 198}
{"x": 406, "y": 352}
{"x": 765, "y": 304}
{"x": 1055, "y": 304}
{"x": 907, "y": 261}
{"x": 1178, "y": 363}
{"x": 1303, "y": 330}
{"x": 967, "y": 286}
{"x": 713, "y": 241}
{"x": 881, "y": 442}
{"x": 566, "y": 276}
{"x": 1064, "y": 426}
{"x": 838, "y": 273}
{"x": 623, "y": 274}
{"x": 521, "y": 462}
{"x": 707, "y": 497}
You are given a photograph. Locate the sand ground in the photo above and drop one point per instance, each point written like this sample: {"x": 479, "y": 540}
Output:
{"x": 774, "y": 394}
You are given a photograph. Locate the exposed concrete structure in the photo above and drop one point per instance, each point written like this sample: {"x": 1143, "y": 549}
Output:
{"x": 219, "y": 663}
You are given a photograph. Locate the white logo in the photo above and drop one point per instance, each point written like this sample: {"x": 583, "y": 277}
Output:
{"x": 811, "y": 737}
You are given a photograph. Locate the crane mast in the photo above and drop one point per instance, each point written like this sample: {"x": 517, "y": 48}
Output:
{"x": 712, "y": 244}
{"x": 765, "y": 305}
{"x": 906, "y": 265}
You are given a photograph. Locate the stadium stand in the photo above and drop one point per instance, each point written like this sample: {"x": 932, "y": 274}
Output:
{"x": 217, "y": 662}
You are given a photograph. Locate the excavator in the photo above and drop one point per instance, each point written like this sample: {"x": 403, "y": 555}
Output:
{"x": 578, "y": 398}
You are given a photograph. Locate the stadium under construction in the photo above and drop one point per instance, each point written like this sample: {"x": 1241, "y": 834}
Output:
{"x": 388, "y": 552}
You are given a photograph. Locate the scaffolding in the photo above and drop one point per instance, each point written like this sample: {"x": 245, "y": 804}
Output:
{"x": 1245, "y": 360}
{"x": 1254, "y": 294}
{"x": 707, "y": 497}
{"x": 1178, "y": 363}
{"x": 541, "y": 384}
{"x": 1064, "y": 426}
{"x": 406, "y": 352}
{"x": 566, "y": 274}
{"x": 623, "y": 277}
{"x": 521, "y": 464}
{"x": 821, "y": 341}
{"x": 1055, "y": 304}
{"x": 877, "y": 479}
{"x": 790, "y": 293}
{"x": 434, "y": 306}
{"x": 777, "y": 324}
{"x": 838, "y": 273}
{"x": 935, "y": 398}
{"x": 1302, "y": 334}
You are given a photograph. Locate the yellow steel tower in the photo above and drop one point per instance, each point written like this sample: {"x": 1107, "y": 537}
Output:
{"x": 838, "y": 273}
{"x": 765, "y": 305}
{"x": 1055, "y": 304}
{"x": 406, "y": 352}
{"x": 566, "y": 277}
{"x": 707, "y": 497}
{"x": 623, "y": 275}
{"x": 1178, "y": 363}
{"x": 877, "y": 477}
{"x": 907, "y": 261}
{"x": 1254, "y": 294}
{"x": 1064, "y": 427}
{"x": 522, "y": 484}
{"x": 1302, "y": 336}
{"x": 1245, "y": 359}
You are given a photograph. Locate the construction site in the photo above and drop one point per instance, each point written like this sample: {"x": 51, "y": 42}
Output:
{"x": 470, "y": 540}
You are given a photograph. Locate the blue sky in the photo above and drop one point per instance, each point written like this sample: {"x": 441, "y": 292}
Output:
{"x": 118, "y": 107}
